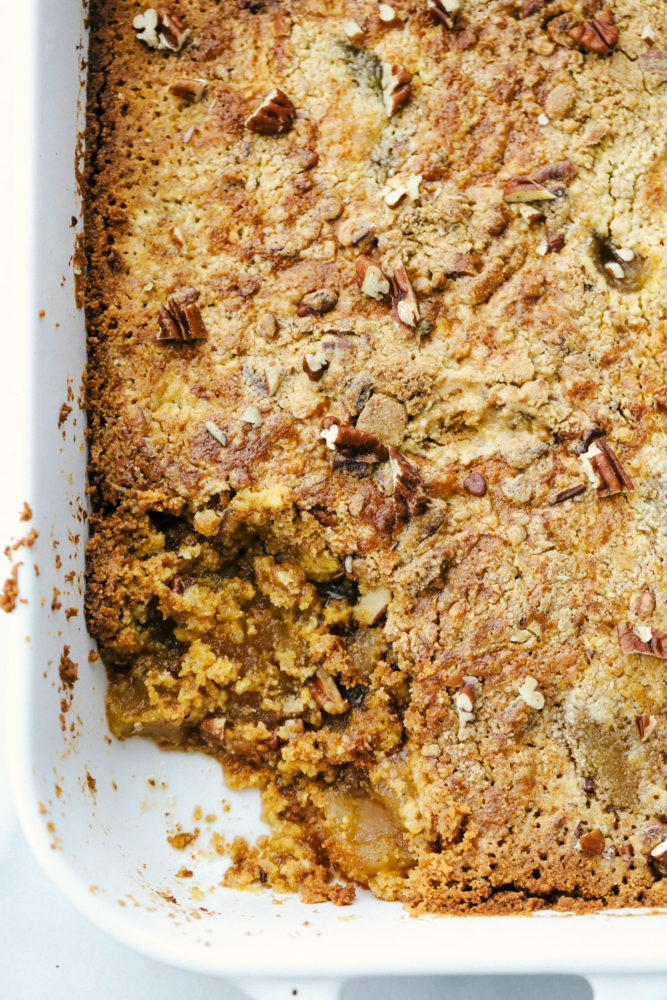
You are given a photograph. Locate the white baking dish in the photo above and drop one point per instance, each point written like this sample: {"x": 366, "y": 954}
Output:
{"x": 106, "y": 848}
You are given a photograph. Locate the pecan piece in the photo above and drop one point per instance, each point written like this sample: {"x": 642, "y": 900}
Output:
{"x": 371, "y": 606}
{"x": 353, "y": 443}
{"x": 215, "y": 432}
{"x": 371, "y": 279}
{"x": 172, "y": 32}
{"x": 274, "y": 115}
{"x": 475, "y": 484}
{"x": 530, "y": 693}
{"x": 659, "y": 852}
{"x": 563, "y": 170}
{"x": 660, "y": 395}
{"x": 326, "y": 694}
{"x": 464, "y": 265}
{"x": 352, "y": 31}
{"x": 180, "y": 321}
{"x": 315, "y": 365}
{"x": 569, "y": 493}
{"x": 353, "y": 466}
{"x": 592, "y": 844}
{"x": 599, "y": 34}
{"x": 645, "y": 602}
{"x": 406, "y": 307}
{"x": 588, "y": 437}
{"x": 161, "y": 31}
{"x": 213, "y": 729}
{"x": 408, "y": 484}
{"x": 388, "y": 15}
{"x": 191, "y": 91}
{"x": 523, "y": 189}
{"x": 384, "y": 518}
{"x": 645, "y": 725}
{"x": 555, "y": 242}
{"x": 529, "y": 7}
{"x": 322, "y": 300}
{"x": 396, "y": 87}
{"x": 444, "y": 11}
{"x": 611, "y": 475}
{"x": 642, "y": 639}
{"x": 465, "y": 703}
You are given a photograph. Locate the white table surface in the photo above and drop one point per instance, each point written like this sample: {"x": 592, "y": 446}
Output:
{"x": 47, "y": 949}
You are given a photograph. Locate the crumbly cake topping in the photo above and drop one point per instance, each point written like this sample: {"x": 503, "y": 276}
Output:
{"x": 376, "y": 317}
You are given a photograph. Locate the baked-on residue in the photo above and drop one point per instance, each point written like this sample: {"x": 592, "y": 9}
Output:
{"x": 376, "y": 392}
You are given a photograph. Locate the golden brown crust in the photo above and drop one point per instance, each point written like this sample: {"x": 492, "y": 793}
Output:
{"x": 306, "y": 610}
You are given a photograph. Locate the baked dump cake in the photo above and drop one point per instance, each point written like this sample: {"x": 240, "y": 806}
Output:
{"x": 378, "y": 432}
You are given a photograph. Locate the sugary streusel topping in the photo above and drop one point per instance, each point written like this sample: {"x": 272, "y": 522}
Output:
{"x": 376, "y": 311}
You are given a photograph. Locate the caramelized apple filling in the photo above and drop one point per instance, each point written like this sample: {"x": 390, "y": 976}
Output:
{"x": 258, "y": 665}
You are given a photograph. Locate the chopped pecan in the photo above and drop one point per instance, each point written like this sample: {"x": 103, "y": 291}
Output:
{"x": 463, "y": 265}
{"x": 475, "y": 484}
{"x": 267, "y": 324}
{"x": 555, "y": 242}
{"x": 371, "y": 279}
{"x": 191, "y": 91}
{"x": 531, "y": 214}
{"x": 371, "y": 606}
{"x": 305, "y": 157}
{"x": 642, "y": 639}
{"x": 173, "y": 33}
{"x": 599, "y": 34}
{"x": 352, "y": 31}
{"x": 180, "y": 321}
{"x": 588, "y": 437}
{"x": 645, "y": 602}
{"x": 660, "y": 395}
{"x": 408, "y": 484}
{"x": 523, "y": 189}
{"x": 405, "y": 307}
{"x": 396, "y": 87}
{"x": 569, "y": 493}
{"x": 589, "y": 786}
{"x": 659, "y": 852}
{"x": 322, "y": 300}
{"x": 326, "y": 694}
{"x": 444, "y": 11}
{"x": 563, "y": 170}
{"x": 274, "y": 115}
{"x": 388, "y": 15}
{"x": 611, "y": 475}
{"x": 161, "y": 31}
{"x": 315, "y": 365}
{"x": 530, "y": 693}
{"x": 353, "y": 443}
{"x": 146, "y": 27}
{"x": 645, "y": 724}
{"x": 213, "y": 729}
{"x": 215, "y": 432}
{"x": 251, "y": 415}
{"x": 592, "y": 844}
{"x": 465, "y": 703}
{"x": 353, "y": 466}
{"x": 384, "y": 519}
{"x": 529, "y": 7}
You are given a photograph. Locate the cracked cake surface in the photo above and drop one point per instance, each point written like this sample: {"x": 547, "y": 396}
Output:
{"x": 378, "y": 426}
